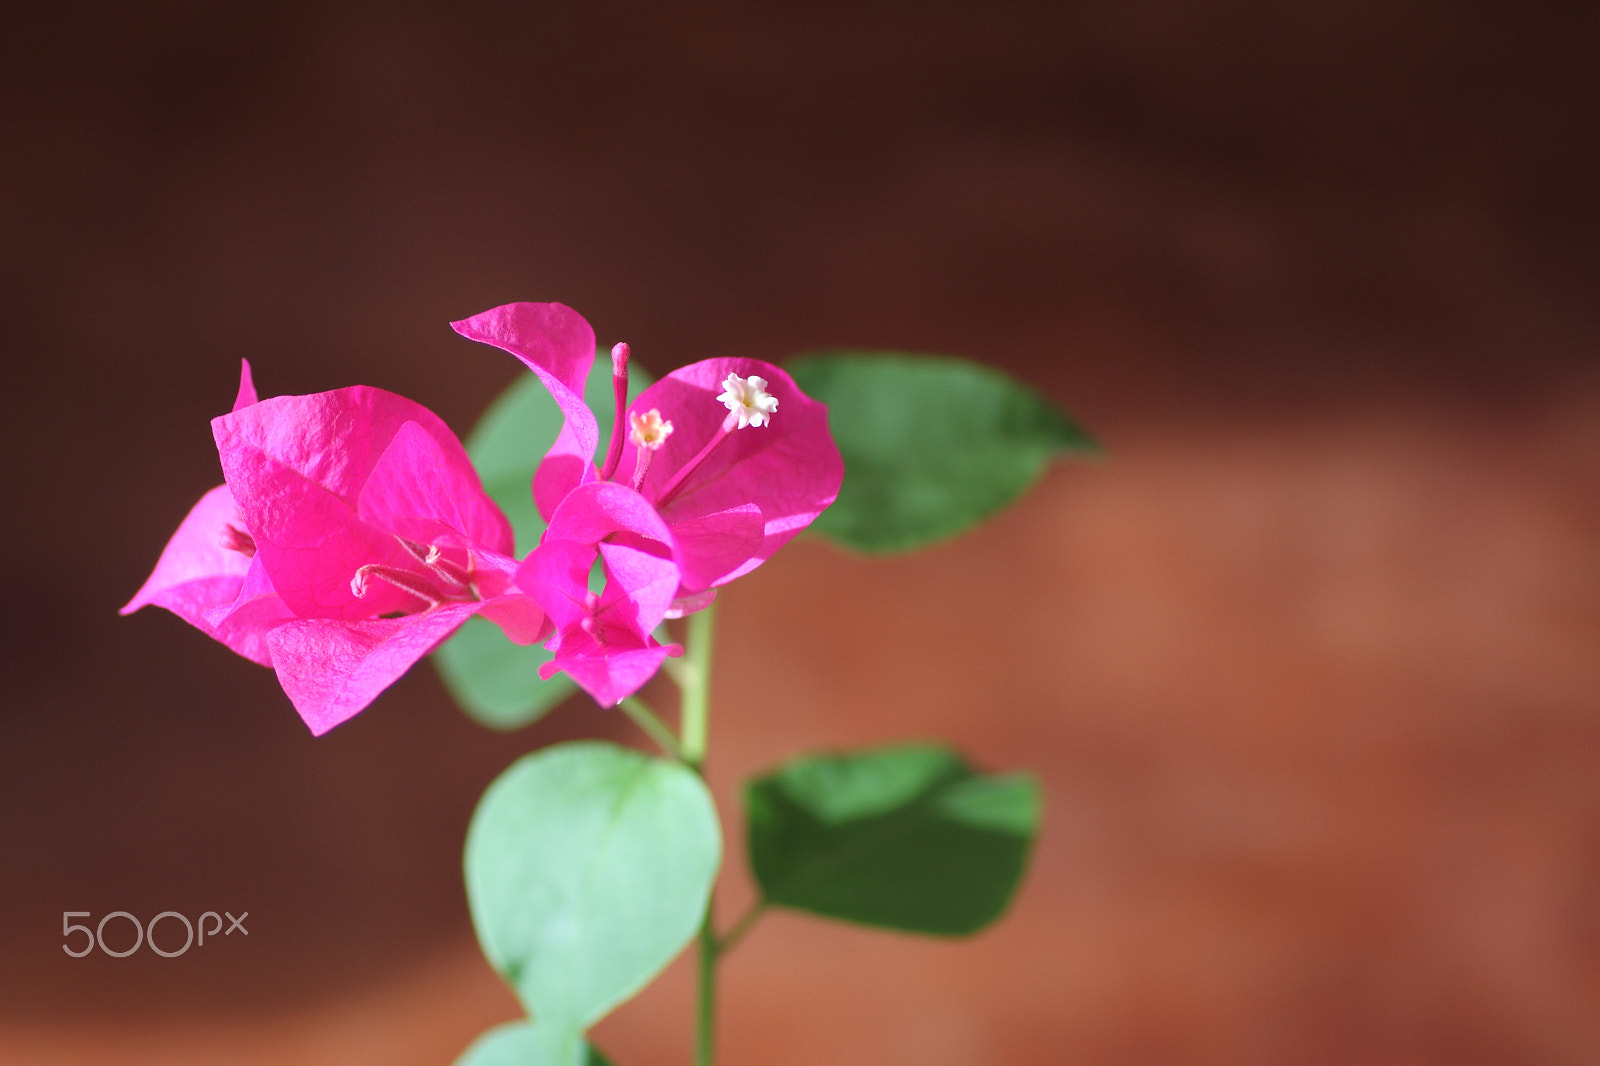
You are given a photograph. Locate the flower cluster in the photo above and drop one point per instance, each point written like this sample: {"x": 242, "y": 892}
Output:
{"x": 353, "y": 535}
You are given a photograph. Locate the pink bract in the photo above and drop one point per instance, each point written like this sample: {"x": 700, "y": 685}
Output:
{"x": 752, "y": 493}
{"x": 724, "y": 496}
{"x": 352, "y": 536}
{"x": 603, "y": 640}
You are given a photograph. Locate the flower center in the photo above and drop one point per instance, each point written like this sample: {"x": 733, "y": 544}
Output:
{"x": 747, "y": 400}
{"x": 237, "y": 540}
{"x": 647, "y": 432}
{"x": 748, "y": 403}
{"x": 439, "y": 581}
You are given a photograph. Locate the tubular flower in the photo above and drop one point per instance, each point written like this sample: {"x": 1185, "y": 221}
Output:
{"x": 728, "y": 455}
{"x": 352, "y": 535}
{"x": 603, "y": 641}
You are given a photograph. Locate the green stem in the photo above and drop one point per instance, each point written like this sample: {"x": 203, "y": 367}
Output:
{"x": 694, "y": 725}
{"x": 705, "y": 1042}
{"x": 651, "y": 723}
{"x": 740, "y": 928}
{"x": 696, "y": 687}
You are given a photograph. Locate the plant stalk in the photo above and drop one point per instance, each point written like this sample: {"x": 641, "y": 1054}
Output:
{"x": 696, "y": 687}
{"x": 705, "y": 1035}
{"x": 694, "y": 726}
{"x": 651, "y": 723}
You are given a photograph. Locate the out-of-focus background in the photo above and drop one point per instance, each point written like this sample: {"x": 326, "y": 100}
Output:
{"x": 1309, "y": 666}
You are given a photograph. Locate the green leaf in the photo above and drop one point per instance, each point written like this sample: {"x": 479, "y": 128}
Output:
{"x": 495, "y": 681}
{"x": 932, "y": 445}
{"x": 588, "y": 868}
{"x": 907, "y": 837}
{"x": 524, "y": 1044}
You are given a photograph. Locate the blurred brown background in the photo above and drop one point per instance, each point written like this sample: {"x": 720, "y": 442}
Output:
{"x": 1309, "y": 667}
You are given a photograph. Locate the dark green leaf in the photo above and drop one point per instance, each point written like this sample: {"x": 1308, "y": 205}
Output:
{"x": 588, "y": 868}
{"x": 906, "y": 837}
{"x": 495, "y": 681}
{"x": 932, "y": 445}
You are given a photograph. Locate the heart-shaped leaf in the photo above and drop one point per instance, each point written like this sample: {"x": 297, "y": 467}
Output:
{"x": 588, "y": 868}
{"x": 907, "y": 837}
{"x": 524, "y": 1044}
{"x": 932, "y": 445}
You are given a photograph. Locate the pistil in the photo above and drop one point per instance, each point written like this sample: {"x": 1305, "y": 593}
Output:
{"x": 619, "y": 388}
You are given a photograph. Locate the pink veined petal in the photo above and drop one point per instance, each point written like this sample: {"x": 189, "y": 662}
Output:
{"x": 564, "y": 467}
{"x": 203, "y": 582}
{"x": 714, "y": 549}
{"x": 557, "y": 344}
{"x": 196, "y": 552}
{"x": 494, "y": 574}
{"x": 639, "y": 588}
{"x": 331, "y": 669}
{"x": 416, "y": 491}
{"x": 685, "y": 605}
{"x": 243, "y": 625}
{"x": 608, "y": 675}
{"x": 790, "y": 469}
{"x": 602, "y": 508}
{"x": 556, "y": 573}
{"x": 640, "y": 583}
{"x": 518, "y": 617}
{"x": 313, "y": 543}
{"x": 604, "y": 643}
{"x": 297, "y": 466}
{"x": 247, "y": 387}
{"x": 256, "y": 585}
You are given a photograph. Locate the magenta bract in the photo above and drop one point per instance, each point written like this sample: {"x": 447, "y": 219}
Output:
{"x": 603, "y": 640}
{"x": 728, "y": 456}
{"x": 352, "y": 536}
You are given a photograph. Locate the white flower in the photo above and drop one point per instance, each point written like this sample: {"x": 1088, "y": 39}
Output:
{"x": 748, "y": 398}
{"x": 648, "y": 430}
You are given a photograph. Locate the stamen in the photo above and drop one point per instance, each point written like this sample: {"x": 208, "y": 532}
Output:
{"x": 447, "y": 570}
{"x": 419, "y": 552}
{"x": 647, "y": 432}
{"x": 717, "y": 438}
{"x": 430, "y": 556}
{"x": 619, "y": 388}
{"x": 404, "y": 580}
{"x": 749, "y": 399}
{"x": 237, "y": 540}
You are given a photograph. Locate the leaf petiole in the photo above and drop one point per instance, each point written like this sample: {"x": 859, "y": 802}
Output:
{"x": 651, "y": 723}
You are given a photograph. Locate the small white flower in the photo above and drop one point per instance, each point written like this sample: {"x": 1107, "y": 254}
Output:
{"x": 648, "y": 430}
{"x": 749, "y": 399}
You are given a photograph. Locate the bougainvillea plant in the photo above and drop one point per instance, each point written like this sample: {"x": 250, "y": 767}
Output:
{"x": 354, "y": 534}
